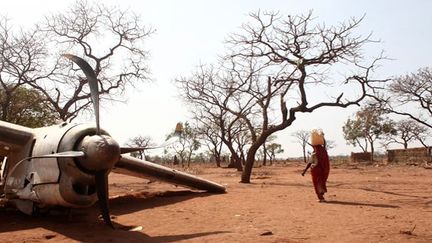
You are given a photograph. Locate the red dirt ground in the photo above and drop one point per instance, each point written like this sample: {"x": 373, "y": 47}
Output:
{"x": 365, "y": 204}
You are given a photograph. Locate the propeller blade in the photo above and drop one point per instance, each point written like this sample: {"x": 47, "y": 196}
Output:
{"x": 101, "y": 178}
{"x": 66, "y": 154}
{"x": 125, "y": 150}
{"x": 128, "y": 165}
{"x": 93, "y": 83}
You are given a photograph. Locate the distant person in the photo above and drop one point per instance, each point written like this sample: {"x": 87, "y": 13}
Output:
{"x": 320, "y": 164}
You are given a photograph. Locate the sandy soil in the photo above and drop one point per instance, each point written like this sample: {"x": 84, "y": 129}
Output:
{"x": 365, "y": 204}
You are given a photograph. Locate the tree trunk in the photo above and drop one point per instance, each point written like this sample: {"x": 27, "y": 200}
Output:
{"x": 242, "y": 157}
{"x": 217, "y": 157}
{"x": 182, "y": 161}
{"x": 265, "y": 155}
{"x": 250, "y": 159}
{"x": 304, "y": 154}
{"x": 217, "y": 160}
{"x": 189, "y": 158}
{"x": 234, "y": 159}
{"x": 5, "y": 106}
{"x": 235, "y": 162}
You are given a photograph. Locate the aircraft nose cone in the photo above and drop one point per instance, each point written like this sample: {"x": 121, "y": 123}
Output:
{"x": 101, "y": 152}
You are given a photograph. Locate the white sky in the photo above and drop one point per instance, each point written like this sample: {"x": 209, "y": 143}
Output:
{"x": 190, "y": 32}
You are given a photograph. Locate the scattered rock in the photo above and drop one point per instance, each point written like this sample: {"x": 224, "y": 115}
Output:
{"x": 49, "y": 236}
{"x": 408, "y": 232}
{"x": 131, "y": 228}
{"x": 138, "y": 228}
{"x": 267, "y": 232}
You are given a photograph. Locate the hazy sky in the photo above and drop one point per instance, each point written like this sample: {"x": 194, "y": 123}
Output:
{"x": 192, "y": 32}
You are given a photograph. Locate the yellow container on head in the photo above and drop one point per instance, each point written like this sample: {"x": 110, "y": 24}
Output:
{"x": 179, "y": 128}
{"x": 317, "y": 137}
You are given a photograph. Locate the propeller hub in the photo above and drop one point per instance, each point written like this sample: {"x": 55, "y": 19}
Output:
{"x": 101, "y": 152}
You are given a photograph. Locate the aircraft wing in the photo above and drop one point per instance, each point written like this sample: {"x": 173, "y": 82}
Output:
{"x": 144, "y": 169}
{"x": 13, "y": 137}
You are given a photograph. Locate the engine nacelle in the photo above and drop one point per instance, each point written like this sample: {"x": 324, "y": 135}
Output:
{"x": 44, "y": 182}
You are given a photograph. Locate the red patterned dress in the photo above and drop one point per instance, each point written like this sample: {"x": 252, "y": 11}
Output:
{"x": 320, "y": 171}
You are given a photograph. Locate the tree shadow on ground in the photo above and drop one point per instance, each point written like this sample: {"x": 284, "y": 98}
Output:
{"x": 361, "y": 204}
{"x": 394, "y": 193}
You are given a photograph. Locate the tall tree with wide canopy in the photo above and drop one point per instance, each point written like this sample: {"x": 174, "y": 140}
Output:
{"x": 272, "y": 150}
{"x": 279, "y": 66}
{"x": 368, "y": 125}
{"x": 26, "y": 107}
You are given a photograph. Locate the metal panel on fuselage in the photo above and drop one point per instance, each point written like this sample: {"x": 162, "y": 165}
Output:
{"x": 47, "y": 140}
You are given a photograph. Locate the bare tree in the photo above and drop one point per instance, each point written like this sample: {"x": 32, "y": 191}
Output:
{"x": 406, "y": 132}
{"x": 272, "y": 150}
{"x": 302, "y": 137}
{"x": 140, "y": 141}
{"x": 330, "y": 144}
{"x": 186, "y": 145}
{"x": 274, "y": 67}
{"x": 266, "y": 150}
{"x": 21, "y": 56}
{"x": 210, "y": 135}
{"x": 110, "y": 39}
{"x": 411, "y": 96}
{"x": 210, "y": 108}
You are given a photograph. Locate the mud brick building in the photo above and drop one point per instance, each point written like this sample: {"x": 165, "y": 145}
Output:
{"x": 361, "y": 157}
{"x": 411, "y": 155}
